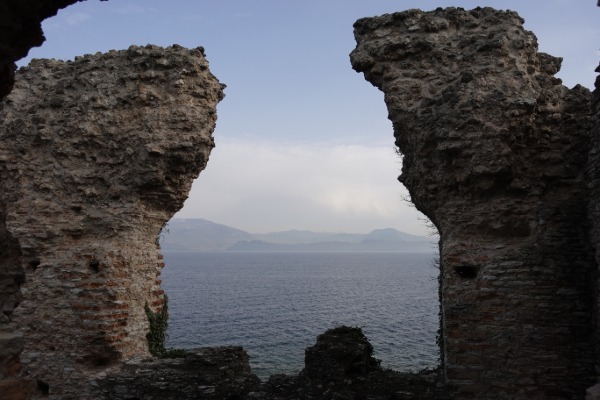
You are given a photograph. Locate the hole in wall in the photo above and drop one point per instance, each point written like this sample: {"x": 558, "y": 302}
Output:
{"x": 467, "y": 271}
{"x": 96, "y": 360}
{"x": 94, "y": 266}
{"x": 34, "y": 264}
{"x": 100, "y": 355}
{"x": 43, "y": 388}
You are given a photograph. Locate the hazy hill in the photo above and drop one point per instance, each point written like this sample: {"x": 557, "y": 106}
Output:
{"x": 203, "y": 235}
{"x": 366, "y": 245}
{"x": 200, "y": 235}
{"x": 294, "y": 236}
{"x": 390, "y": 234}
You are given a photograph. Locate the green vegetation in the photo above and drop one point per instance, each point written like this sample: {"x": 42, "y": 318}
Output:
{"x": 159, "y": 322}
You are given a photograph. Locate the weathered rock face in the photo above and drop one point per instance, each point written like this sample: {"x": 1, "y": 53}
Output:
{"x": 208, "y": 373}
{"x": 96, "y": 155}
{"x": 594, "y": 210}
{"x": 20, "y": 30}
{"x": 495, "y": 150}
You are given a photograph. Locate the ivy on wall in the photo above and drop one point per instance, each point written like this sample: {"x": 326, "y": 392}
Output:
{"x": 159, "y": 322}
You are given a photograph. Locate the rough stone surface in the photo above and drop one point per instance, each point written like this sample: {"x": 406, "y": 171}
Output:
{"x": 207, "y": 373}
{"x": 96, "y": 155}
{"x": 495, "y": 150}
{"x": 594, "y": 207}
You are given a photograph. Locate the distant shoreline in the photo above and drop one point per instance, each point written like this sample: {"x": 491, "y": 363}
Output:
{"x": 203, "y": 235}
{"x": 433, "y": 251}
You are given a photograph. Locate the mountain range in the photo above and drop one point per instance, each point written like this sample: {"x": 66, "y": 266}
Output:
{"x": 203, "y": 235}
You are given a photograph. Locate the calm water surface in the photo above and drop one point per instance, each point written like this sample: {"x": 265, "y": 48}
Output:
{"x": 275, "y": 304}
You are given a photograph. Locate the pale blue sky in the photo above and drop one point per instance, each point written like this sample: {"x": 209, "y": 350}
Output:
{"x": 303, "y": 141}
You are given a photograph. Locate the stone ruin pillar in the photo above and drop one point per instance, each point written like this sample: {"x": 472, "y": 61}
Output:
{"x": 96, "y": 155}
{"x": 495, "y": 150}
{"x": 594, "y": 209}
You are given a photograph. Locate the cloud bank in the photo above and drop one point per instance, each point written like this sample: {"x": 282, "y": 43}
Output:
{"x": 266, "y": 186}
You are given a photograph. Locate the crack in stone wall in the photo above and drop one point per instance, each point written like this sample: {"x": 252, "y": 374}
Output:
{"x": 97, "y": 155}
{"x": 495, "y": 151}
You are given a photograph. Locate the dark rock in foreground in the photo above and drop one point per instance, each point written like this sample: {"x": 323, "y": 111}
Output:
{"x": 207, "y": 373}
{"x": 339, "y": 353}
{"x": 339, "y": 366}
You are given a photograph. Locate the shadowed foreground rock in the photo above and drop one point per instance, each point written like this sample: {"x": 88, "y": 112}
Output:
{"x": 495, "y": 151}
{"x": 96, "y": 155}
{"x": 340, "y": 366}
{"x": 208, "y": 373}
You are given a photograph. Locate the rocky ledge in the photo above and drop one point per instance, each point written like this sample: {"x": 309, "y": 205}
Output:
{"x": 340, "y": 366}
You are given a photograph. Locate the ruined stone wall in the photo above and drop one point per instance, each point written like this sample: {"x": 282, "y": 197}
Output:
{"x": 495, "y": 149}
{"x": 594, "y": 208}
{"x": 96, "y": 155}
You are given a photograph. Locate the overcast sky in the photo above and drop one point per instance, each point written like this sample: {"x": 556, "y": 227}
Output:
{"x": 303, "y": 141}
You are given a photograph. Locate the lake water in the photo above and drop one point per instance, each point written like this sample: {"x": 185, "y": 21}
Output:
{"x": 275, "y": 304}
